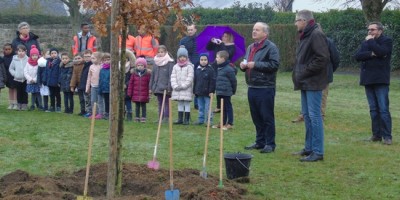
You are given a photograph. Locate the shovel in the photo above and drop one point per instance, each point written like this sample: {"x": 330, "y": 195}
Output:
{"x": 203, "y": 173}
{"x": 154, "y": 164}
{"x": 85, "y": 197}
{"x": 221, "y": 144}
{"x": 172, "y": 194}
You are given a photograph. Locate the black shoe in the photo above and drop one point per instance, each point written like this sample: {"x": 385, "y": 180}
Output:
{"x": 303, "y": 152}
{"x": 267, "y": 149}
{"x": 313, "y": 157}
{"x": 253, "y": 146}
{"x": 387, "y": 141}
{"x": 374, "y": 138}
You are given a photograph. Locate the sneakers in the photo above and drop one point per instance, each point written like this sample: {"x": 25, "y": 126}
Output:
{"x": 99, "y": 116}
{"x": 88, "y": 115}
{"x": 219, "y": 126}
{"x": 217, "y": 110}
{"x": 387, "y": 141}
{"x": 10, "y": 107}
{"x": 143, "y": 120}
{"x": 15, "y": 107}
{"x": 299, "y": 118}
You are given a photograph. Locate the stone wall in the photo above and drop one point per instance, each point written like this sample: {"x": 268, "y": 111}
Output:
{"x": 58, "y": 35}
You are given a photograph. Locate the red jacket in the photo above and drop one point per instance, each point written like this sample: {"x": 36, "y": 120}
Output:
{"x": 138, "y": 88}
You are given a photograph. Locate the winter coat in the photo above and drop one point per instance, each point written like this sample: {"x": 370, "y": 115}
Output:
{"x": 52, "y": 72}
{"x": 31, "y": 73}
{"x": 334, "y": 59}
{"x": 191, "y": 45}
{"x": 84, "y": 76}
{"x": 138, "y": 88}
{"x": 226, "y": 83}
{"x": 3, "y": 74}
{"x": 93, "y": 77}
{"x": 312, "y": 59}
{"x": 10, "y": 79}
{"x": 182, "y": 82}
{"x": 65, "y": 76}
{"x": 266, "y": 64}
{"x": 33, "y": 40}
{"x": 375, "y": 69}
{"x": 41, "y": 77}
{"x": 76, "y": 75}
{"x": 104, "y": 80}
{"x": 160, "y": 79}
{"x": 204, "y": 81}
{"x": 17, "y": 68}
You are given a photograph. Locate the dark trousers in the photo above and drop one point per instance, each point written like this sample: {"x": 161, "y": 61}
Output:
{"x": 106, "y": 97}
{"x": 22, "y": 95}
{"x": 228, "y": 110}
{"x": 81, "y": 94}
{"x": 69, "y": 102}
{"x": 55, "y": 96}
{"x": 36, "y": 99}
{"x": 165, "y": 112}
{"x": 262, "y": 103}
{"x": 141, "y": 105}
{"x": 45, "y": 102}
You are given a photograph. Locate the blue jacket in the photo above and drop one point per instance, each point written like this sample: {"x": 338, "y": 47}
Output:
{"x": 375, "y": 69}
{"x": 65, "y": 76}
{"x": 226, "y": 82}
{"x": 52, "y": 72}
{"x": 104, "y": 81}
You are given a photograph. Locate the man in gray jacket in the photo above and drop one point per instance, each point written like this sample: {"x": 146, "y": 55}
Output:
{"x": 261, "y": 65}
{"x": 310, "y": 76}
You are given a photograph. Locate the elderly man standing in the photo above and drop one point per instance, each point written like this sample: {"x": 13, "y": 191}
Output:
{"x": 310, "y": 76}
{"x": 375, "y": 54}
{"x": 260, "y": 67}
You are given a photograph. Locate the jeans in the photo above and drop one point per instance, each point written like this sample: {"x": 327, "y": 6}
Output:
{"x": 204, "y": 103}
{"x": 378, "y": 100}
{"x": 311, "y": 109}
{"x": 128, "y": 104}
{"x": 262, "y": 103}
{"x": 95, "y": 96}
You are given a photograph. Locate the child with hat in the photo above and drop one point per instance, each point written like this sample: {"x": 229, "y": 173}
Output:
{"x": 182, "y": 85}
{"x": 31, "y": 76}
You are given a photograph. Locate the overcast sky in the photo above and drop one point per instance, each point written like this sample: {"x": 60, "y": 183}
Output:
{"x": 317, "y": 6}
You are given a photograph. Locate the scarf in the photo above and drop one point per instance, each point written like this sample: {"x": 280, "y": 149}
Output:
{"x": 25, "y": 39}
{"x": 307, "y": 29}
{"x": 106, "y": 65}
{"x": 183, "y": 64}
{"x": 32, "y": 62}
{"x": 161, "y": 61}
{"x": 256, "y": 46}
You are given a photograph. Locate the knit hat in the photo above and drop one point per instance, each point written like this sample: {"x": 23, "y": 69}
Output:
{"x": 53, "y": 49}
{"x": 204, "y": 54}
{"x": 34, "y": 50}
{"x": 141, "y": 61}
{"x": 182, "y": 51}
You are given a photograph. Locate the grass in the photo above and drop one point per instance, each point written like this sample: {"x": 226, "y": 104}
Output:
{"x": 47, "y": 143}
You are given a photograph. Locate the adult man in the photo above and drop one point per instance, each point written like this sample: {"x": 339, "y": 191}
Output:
{"x": 189, "y": 41}
{"x": 375, "y": 54}
{"x": 84, "y": 40}
{"x": 261, "y": 66}
{"x": 311, "y": 77}
{"x": 146, "y": 46}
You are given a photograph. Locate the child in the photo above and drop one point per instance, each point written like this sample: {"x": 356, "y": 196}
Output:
{"x": 104, "y": 83}
{"x": 10, "y": 82}
{"x": 204, "y": 87}
{"x": 87, "y": 57}
{"x": 92, "y": 84}
{"x": 3, "y": 74}
{"x": 31, "y": 73}
{"x": 225, "y": 87}
{"x": 181, "y": 82}
{"x": 160, "y": 80}
{"x": 128, "y": 66}
{"x": 52, "y": 80}
{"x": 138, "y": 88}
{"x": 76, "y": 77}
{"x": 44, "y": 89}
{"x": 17, "y": 71}
{"x": 65, "y": 81}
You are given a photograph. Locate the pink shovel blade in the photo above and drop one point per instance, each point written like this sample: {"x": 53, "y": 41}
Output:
{"x": 153, "y": 164}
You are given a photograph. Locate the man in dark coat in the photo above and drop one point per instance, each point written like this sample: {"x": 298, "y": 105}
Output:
{"x": 260, "y": 67}
{"x": 375, "y": 54}
{"x": 310, "y": 76}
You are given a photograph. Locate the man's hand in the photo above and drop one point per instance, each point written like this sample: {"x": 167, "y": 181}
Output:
{"x": 369, "y": 37}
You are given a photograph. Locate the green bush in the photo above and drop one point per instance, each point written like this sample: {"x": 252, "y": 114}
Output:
{"x": 33, "y": 19}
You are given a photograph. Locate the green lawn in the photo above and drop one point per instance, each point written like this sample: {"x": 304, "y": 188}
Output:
{"x": 47, "y": 143}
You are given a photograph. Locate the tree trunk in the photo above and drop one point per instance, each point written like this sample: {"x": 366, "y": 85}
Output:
{"x": 372, "y": 9}
{"x": 75, "y": 15}
{"x": 114, "y": 173}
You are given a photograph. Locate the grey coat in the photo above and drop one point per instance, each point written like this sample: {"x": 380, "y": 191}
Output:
{"x": 161, "y": 79}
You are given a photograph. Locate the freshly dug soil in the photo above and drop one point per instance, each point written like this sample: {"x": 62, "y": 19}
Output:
{"x": 139, "y": 183}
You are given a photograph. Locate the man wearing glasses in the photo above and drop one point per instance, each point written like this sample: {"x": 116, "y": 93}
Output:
{"x": 375, "y": 54}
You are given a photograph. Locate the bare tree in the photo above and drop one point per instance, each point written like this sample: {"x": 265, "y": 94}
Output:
{"x": 283, "y": 5}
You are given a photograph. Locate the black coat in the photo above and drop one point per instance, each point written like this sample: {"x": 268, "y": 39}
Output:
{"x": 334, "y": 57}
{"x": 33, "y": 40}
{"x": 65, "y": 76}
{"x": 204, "y": 81}
{"x": 226, "y": 82}
{"x": 84, "y": 76}
{"x": 375, "y": 69}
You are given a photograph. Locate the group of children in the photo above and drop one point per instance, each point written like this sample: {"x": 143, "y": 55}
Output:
{"x": 88, "y": 75}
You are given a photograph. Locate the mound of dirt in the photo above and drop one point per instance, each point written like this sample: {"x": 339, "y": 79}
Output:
{"x": 139, "y": 183}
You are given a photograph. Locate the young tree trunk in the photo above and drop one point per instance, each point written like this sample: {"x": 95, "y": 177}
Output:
{"x": 114, "y": 173}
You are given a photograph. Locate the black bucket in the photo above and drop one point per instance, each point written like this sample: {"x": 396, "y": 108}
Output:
{"x": 237, "y": 165}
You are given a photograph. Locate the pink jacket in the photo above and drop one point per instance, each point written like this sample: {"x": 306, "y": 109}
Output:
{"x": 93, "y": 77}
